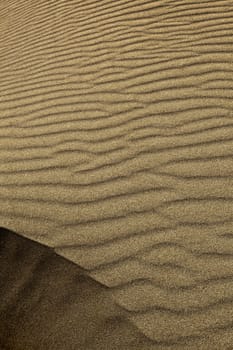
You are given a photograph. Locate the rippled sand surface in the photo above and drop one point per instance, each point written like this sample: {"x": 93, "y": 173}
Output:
{"x": 116, "y": 150}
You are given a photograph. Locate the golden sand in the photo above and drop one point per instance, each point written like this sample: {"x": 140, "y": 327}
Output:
{"x": 116, "y": 149}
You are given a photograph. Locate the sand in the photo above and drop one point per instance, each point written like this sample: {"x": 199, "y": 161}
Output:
{"x": 116, "y": 139}
{"x": 50, "y": 303}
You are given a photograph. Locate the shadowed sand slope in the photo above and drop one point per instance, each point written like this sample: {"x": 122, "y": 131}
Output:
{"x": 49, "y": 303}
{"x": 116, "y": 148}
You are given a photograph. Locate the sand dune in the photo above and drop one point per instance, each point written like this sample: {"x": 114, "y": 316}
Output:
{"x": 116, "y": 139}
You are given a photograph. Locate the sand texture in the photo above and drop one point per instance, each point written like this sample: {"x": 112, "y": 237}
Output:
{"x": 116, "y": 150}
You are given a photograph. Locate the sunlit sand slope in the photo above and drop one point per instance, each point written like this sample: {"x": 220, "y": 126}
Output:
{"x": 116, "y": 149}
